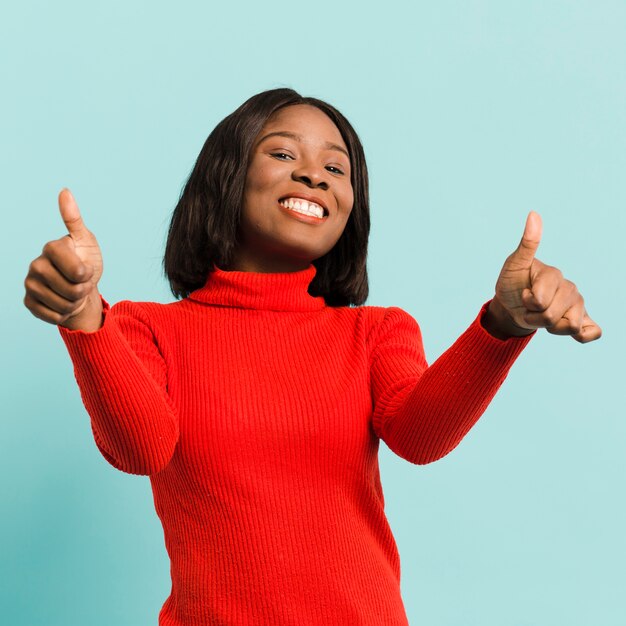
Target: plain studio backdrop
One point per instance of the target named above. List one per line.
(471, 114)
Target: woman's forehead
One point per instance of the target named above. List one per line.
(306, 121)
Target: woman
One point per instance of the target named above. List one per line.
(257, 401)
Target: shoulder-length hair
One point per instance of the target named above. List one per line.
(204, 225)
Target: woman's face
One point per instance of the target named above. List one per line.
(298, 158)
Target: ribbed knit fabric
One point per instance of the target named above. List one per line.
(257, 410)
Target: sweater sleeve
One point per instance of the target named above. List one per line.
(422, 413)
(122, 378)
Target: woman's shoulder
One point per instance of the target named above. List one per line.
(376, 314)
(377, 320)
(148, 311)
(128, 306)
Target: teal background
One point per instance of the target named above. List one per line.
(471, 114)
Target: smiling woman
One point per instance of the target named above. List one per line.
(266, 482)
(234, 210)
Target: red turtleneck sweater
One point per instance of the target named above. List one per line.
(256, 411)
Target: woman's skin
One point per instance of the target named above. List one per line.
(307, 159)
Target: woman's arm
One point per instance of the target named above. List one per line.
(122, 377)
(118, 363)
(421, 412)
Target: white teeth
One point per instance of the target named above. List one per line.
(302, 206)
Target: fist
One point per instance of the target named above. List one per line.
(62, 283)
(531, 295)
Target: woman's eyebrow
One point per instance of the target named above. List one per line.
(285, 133)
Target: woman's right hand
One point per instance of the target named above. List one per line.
(62, 283)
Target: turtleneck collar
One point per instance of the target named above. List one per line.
(280, 291)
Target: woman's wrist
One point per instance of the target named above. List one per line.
(498, 322)
(90, 317)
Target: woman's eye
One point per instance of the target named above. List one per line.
(283, 156)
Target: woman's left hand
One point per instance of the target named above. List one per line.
(530, 295)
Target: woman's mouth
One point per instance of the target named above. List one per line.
(306, 207)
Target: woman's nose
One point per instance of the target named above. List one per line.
(310, 175)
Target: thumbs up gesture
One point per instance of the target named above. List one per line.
(62, 283)
(530, 295)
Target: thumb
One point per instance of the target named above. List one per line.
(71, 214)
(530, 239)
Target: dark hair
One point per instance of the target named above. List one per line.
(203, 229)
